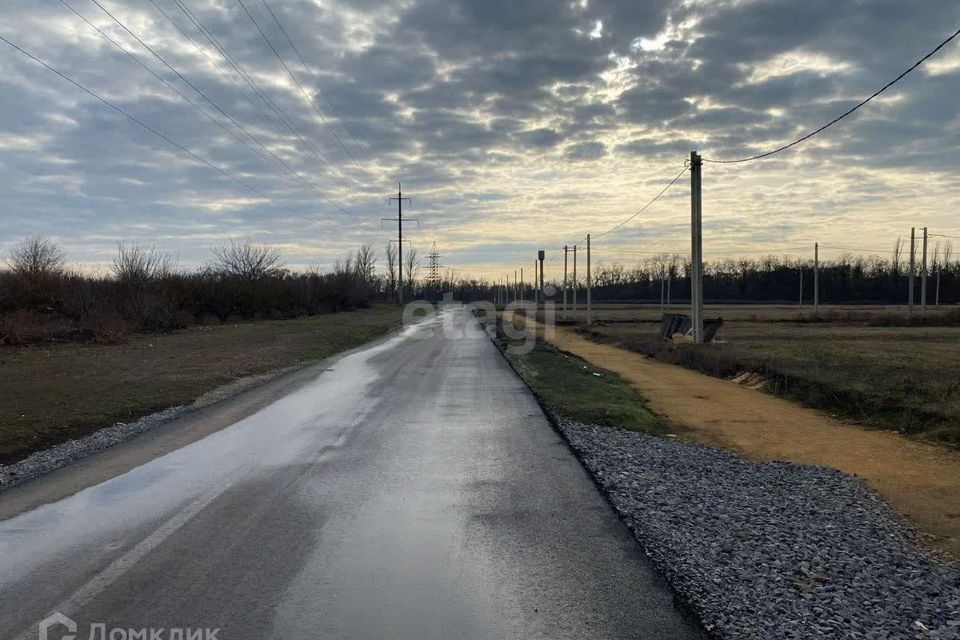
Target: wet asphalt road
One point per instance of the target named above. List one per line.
(414, 490)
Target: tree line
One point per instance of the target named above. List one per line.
(41, 299)
(143, 289)
(848, 278)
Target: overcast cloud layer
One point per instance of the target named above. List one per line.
(514, 124)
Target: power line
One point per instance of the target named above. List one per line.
(208, 116)
(279, 113)
(316, 83)
(828, 246)
(295, 81)
(213, 64)
(845, 114)
(305, 66)
(775, 250)
(155, 132)
(644, 207)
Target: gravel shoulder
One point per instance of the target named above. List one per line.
(771, 550)
(921, 480)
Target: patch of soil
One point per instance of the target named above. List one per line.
(921, 480)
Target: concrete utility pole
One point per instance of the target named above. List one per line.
(566, 284)
(816, 278)
(923, 277)
(589, 282)
(536, 292)
(574, 282)
(801, 287)
(913, 267)
(540, 256)
(696, 248)
(521, 284)
(399, 221)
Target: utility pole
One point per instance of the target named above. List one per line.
(589, 283)
(566, 284)
(913, 266)
(399, 221)
(801, 286)
(816, 278)
(936, 299)
(669, 284)
(696, 248)
(574, 282)
(536, 294)
(662, 284)
(540, 256)
(923, 277)
(521, 284)
(515, 296)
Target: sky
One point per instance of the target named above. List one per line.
(514, 125)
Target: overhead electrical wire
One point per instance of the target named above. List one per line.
(846, 113)
(316, 82)
(220, 124)
(644, 207)
(836, 248)
(152, 130)
(635, 214)
(293, 77)
(281, 116)
(203, 52)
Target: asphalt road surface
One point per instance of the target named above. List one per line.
(412, 489)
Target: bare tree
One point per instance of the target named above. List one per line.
(244, 259)
(366, 263)
(139, 264)
(391, 267)
(36, 258)
(412, 267)
(897, 263)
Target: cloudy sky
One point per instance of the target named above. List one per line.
(513, 124)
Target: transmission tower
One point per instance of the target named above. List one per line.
(434, 277)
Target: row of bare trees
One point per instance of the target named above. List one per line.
(848, 278)
(145, 290)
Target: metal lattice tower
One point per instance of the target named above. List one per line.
(433, 270)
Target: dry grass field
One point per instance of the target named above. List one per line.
(905, 378)
(56, 392)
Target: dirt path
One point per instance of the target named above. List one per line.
(922, 481)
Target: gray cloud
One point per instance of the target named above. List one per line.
(481, 108)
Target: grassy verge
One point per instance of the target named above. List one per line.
(905, 379)
(573, 388)
(53, 393)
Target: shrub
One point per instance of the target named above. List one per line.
(24, 327)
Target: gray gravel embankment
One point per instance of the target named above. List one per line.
(772, 550)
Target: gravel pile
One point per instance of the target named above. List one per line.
(774, 550)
